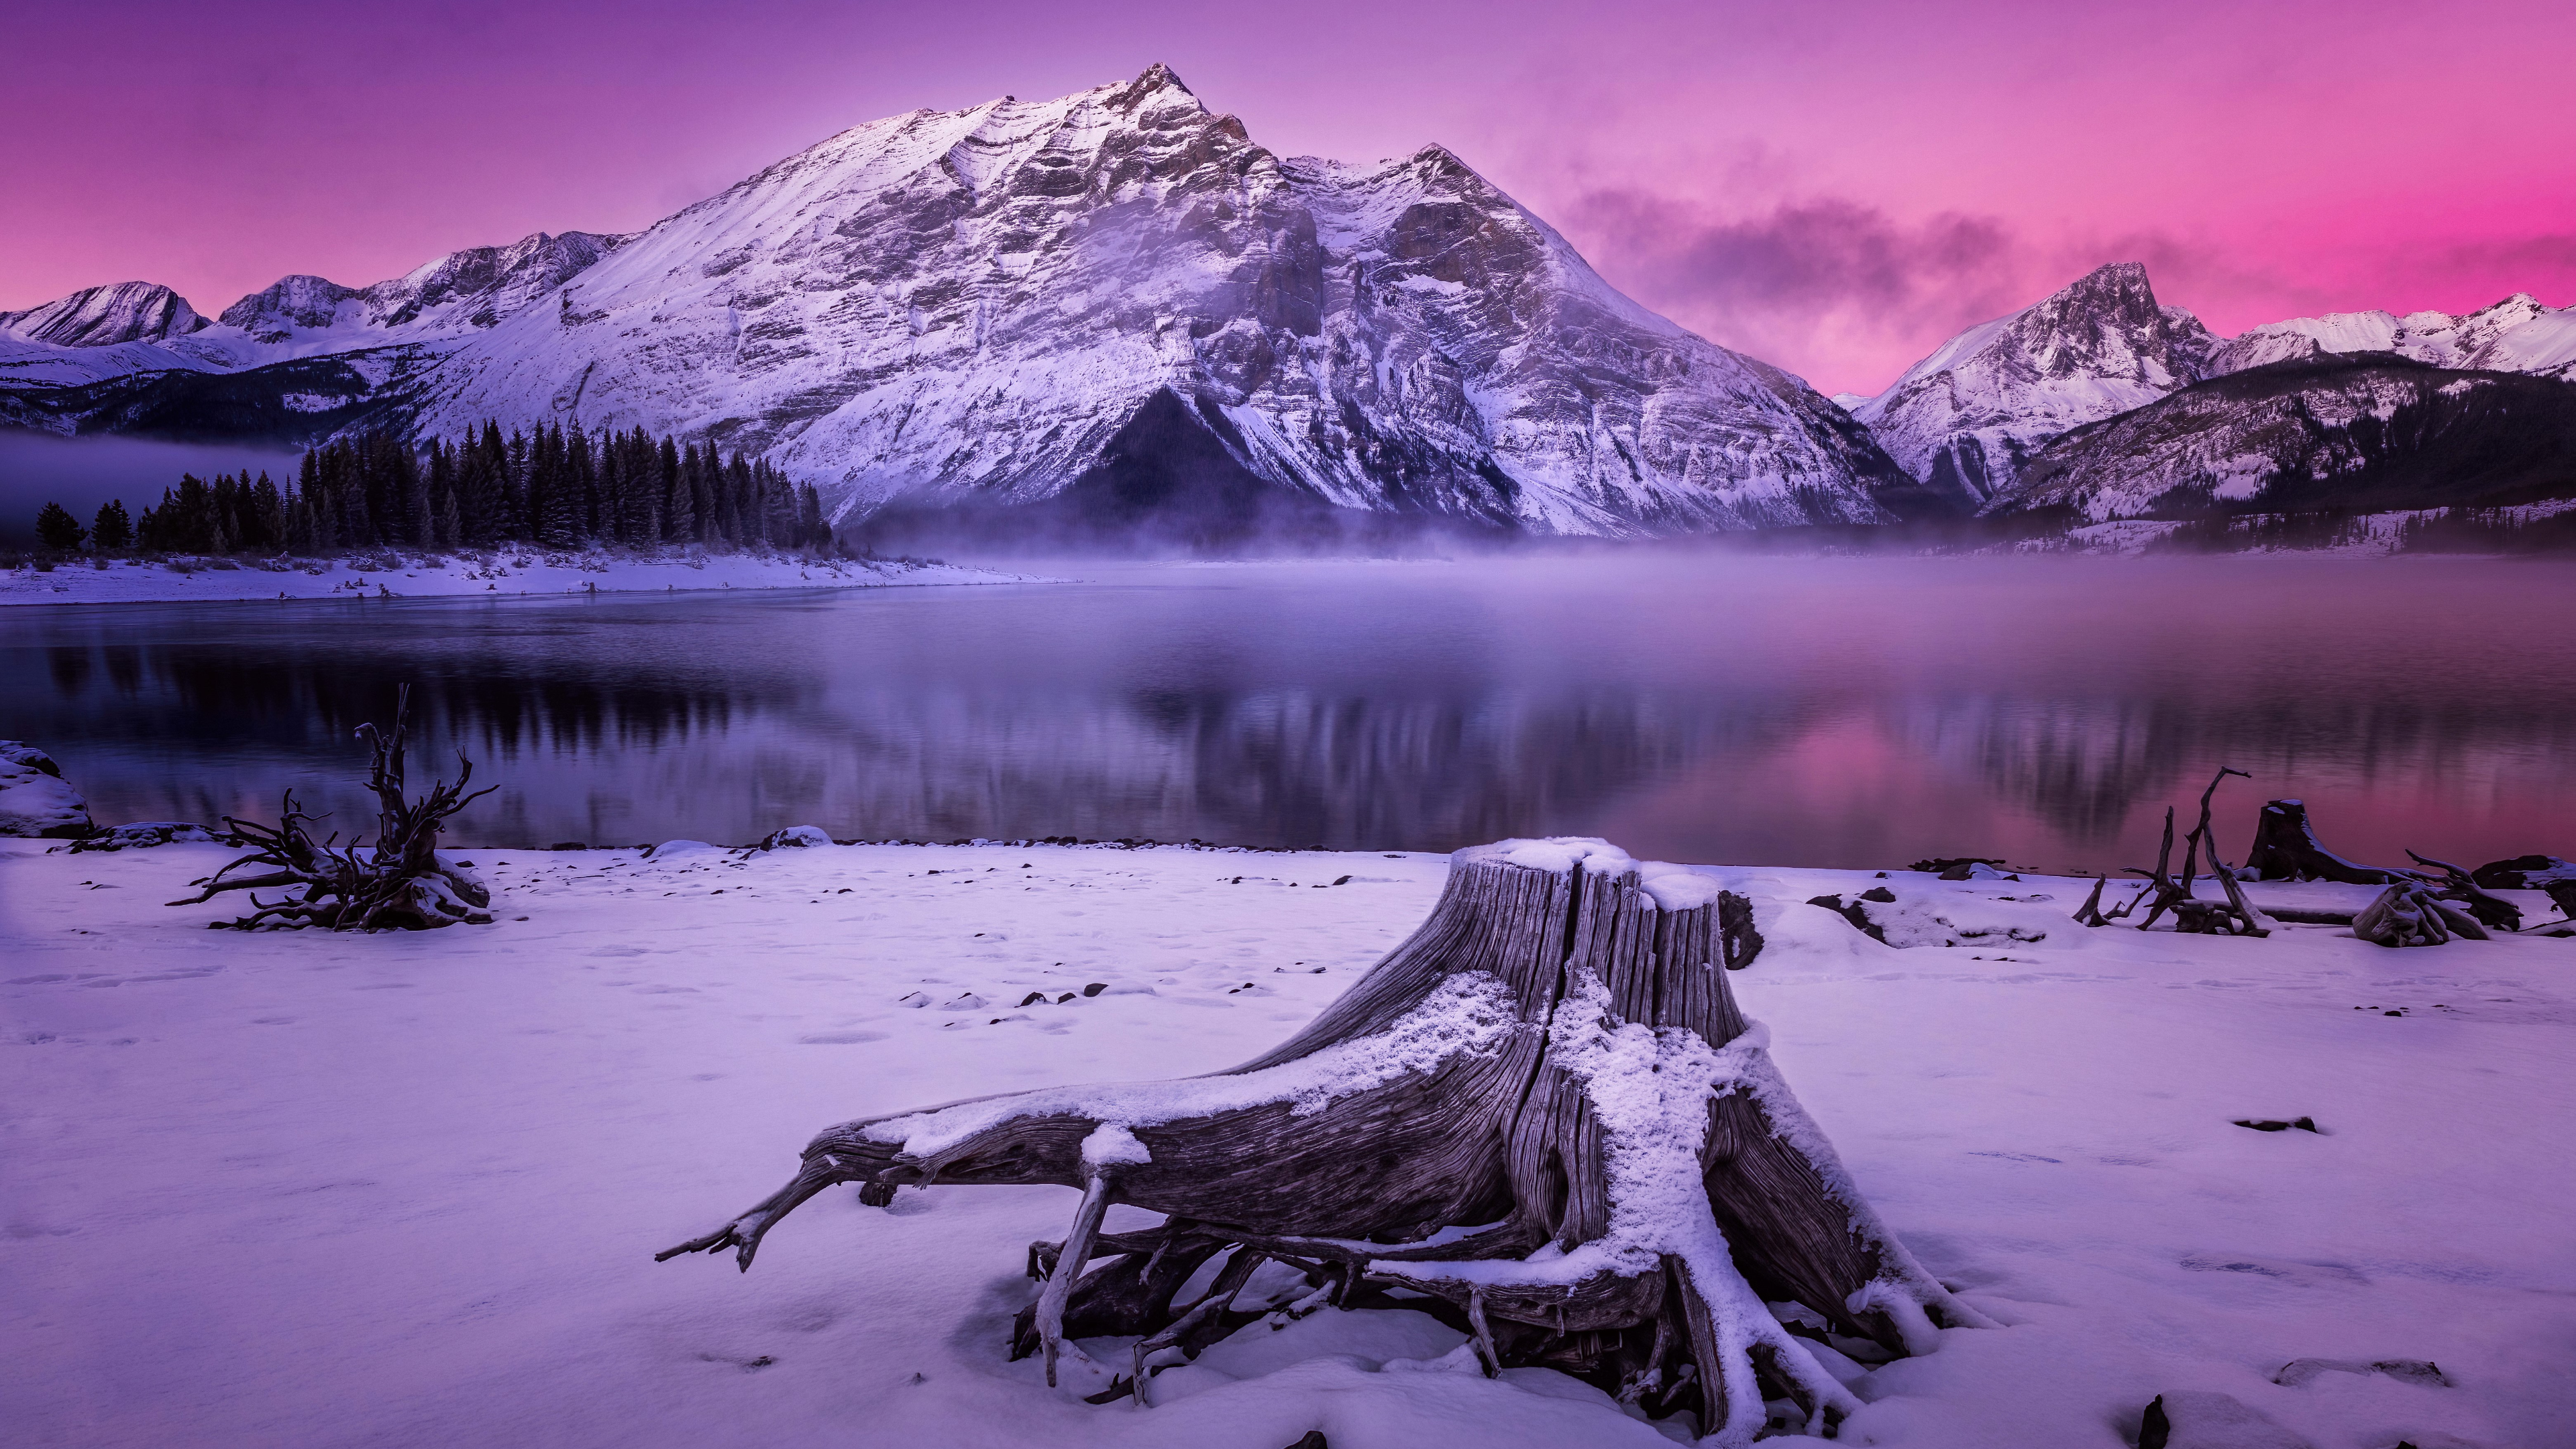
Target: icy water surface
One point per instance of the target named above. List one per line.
(1847, 713)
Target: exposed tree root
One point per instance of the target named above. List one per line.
(400, 881)
(1541, 1118)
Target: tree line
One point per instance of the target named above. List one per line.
(555, 487)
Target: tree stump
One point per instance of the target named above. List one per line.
(1542, 1117)
(2286, 848)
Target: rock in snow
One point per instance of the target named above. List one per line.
(34, 800)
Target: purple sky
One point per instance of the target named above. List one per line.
(1834, 188)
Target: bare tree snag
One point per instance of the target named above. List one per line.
(1553, 1060)
(399, 882)
(2286, 848)
(2236, 916)
(2494, 912)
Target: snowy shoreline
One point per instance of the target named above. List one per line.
(405, 1187)
(501, 573)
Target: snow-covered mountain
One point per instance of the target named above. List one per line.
(1115, 302)
(1100, 294)
(1964, 419)
(450, 296)
(106, 316)
(1972, 418)
(2517, 334)
(2363, 431)
(102, 335)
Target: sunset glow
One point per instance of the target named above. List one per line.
(1833, 189)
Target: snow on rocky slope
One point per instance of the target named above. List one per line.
(2372, 431)
(1080, 298)
(2517, 334)
(124, 333)
(450, 296)
(1964, 419)
(1115, 300)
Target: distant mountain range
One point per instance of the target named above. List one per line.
(2016, 415)
(1115, 316)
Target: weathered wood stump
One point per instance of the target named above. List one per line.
(2286, 848)
(1542, 1117)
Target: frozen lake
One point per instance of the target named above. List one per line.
(1835, 713)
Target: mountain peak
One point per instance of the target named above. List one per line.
(1963, 419)
(105, 316)
(1153, 80)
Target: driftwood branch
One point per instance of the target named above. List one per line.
(1531, 1070)
(2164, 893)
(400, 881)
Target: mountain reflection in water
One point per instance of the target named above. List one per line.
(1842, 712)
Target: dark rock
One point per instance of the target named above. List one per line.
(1095, 988)
(1853, 913)
(1942, 865)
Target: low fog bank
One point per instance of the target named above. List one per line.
(82, 473)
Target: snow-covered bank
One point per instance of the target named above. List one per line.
(396, 574)
(296, 1189)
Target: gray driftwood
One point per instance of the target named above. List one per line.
(1434, 1183)
(2411, 914)
(399, 881)
(2164, 893)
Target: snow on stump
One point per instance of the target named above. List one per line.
(34, 798)
(1541, 1118)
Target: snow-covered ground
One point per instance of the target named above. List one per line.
(399, 574)
(306, 1189)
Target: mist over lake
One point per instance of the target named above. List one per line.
(1838, 712)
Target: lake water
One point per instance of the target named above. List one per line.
(1838, 712)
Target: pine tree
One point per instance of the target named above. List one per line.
(112, 529)
(679, 511)
(56, 529)
(268, 511)
(699, 466)
(811, 530)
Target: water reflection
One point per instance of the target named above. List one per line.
(1824, 712)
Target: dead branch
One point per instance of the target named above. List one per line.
(2235, 916)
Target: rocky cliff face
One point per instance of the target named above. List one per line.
(1965, 419)
(2369, 431)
